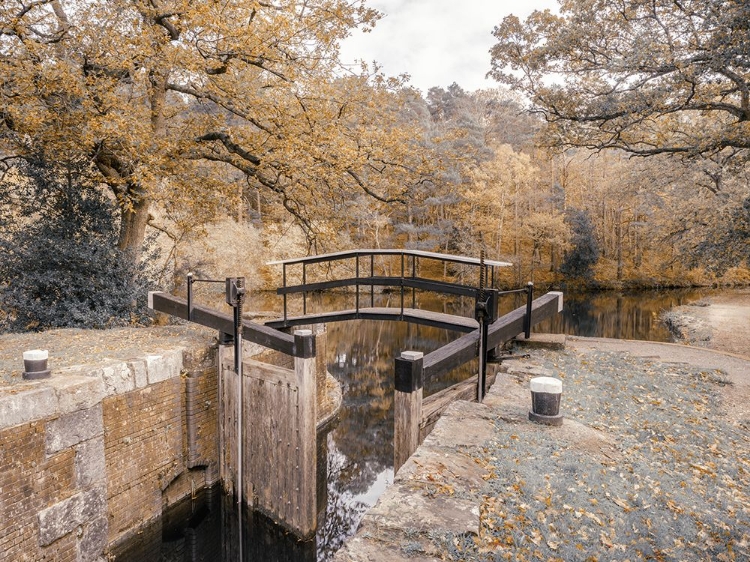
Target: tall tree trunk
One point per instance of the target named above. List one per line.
(618, 243)
(133, 228)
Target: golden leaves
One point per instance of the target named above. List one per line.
(134, 86)
(633, 76)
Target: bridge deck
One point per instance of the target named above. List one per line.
(416, 316)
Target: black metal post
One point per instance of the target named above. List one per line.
(283, 275)
(190, 296)
(372, 274)
(413, 276)
(527, 318)
(493, 299)
(235, 292)
(304, 293)
(356, 272)
(481, 314)
(483, 352)
(402, 286)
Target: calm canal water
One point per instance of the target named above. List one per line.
(359, 449)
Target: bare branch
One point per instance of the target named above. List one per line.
(230, 145)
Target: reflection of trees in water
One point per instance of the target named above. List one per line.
(344, 510)
(361, 356)
(612, 314)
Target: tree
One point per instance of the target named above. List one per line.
(61, 266)
(171, 99)
(494, 191)
(545, 228)
(646, 76)
(725, 243)
(584, 251)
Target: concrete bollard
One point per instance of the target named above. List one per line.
(35, 364)
(545, 401)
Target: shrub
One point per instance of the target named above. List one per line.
(60, 264)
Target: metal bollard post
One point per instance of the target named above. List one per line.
(527, 318)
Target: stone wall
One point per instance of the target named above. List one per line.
(91, 455)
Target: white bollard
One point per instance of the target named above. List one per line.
(35, 364)
(545, 401)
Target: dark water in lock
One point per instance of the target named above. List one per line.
(358, 451)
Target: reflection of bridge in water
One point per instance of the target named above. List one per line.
(268, 404)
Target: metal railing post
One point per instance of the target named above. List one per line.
(402, 285)
(283, 276)
(414, 276)
(493, 313)
(527, 318)
(190, 296)
(356, 273)
(304, 293)
(482, 316)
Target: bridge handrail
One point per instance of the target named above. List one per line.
(384, 281)
(346, 254)
(401, 281)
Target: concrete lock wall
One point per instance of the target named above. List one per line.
(92, 454)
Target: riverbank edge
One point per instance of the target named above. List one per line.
(441, 490)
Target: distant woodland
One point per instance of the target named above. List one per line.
(142, 139)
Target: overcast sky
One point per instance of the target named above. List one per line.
(436, 42)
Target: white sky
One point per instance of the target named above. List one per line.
(436, 42)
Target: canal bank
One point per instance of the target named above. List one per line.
(650, 462)
(119, 426)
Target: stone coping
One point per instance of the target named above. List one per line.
(73, 349)
(88, 365)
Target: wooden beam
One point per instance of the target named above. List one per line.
(256, 333)
(505, 328)
(304, 516)
(407, 406)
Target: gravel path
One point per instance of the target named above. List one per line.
(651, 466)
(720, 322)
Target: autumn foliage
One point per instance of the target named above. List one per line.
(231, 130)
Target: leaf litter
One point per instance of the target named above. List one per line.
(679, 489)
